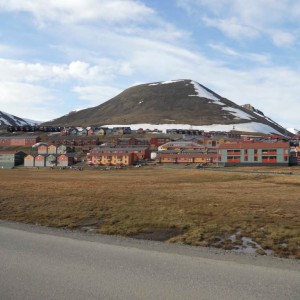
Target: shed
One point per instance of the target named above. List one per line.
(64, 160)
(50, 160)
(52, 149)
(39, 161)
(42, 149)
(29, 161)
(10, 159)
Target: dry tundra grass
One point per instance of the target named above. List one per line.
(197, 207)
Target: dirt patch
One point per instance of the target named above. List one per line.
(161, 234)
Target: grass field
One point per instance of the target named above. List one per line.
(196, 207)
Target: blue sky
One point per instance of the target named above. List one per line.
(58, 56)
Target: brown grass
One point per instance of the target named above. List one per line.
(187, 206)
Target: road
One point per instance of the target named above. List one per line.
(41, 263)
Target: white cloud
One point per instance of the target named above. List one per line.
(96, 94)
(17, 70)
(231, 27)
(283, 38)
(255, 57)
(241, 19)
(76, 11)
(37, 101)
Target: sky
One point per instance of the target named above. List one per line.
(62, 55)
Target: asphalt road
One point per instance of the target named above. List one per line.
(37, 263)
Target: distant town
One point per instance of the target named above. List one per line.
(121, 146)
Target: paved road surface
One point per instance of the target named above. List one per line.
(52, 264)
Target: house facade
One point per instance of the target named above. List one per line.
(254, 153)
(29, 161)
(117, 155)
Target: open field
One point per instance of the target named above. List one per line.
(197, 207)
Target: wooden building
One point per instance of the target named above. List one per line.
(10, 159)
(29, 160)
(39, 161)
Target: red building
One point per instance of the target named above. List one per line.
(26, 141)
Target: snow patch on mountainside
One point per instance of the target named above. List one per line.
(247, 127)
(203, 93)
(8, 119)
(238, 114)
(293, 130)
(165, 82)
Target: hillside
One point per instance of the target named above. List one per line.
(169, 102)
(7, 119)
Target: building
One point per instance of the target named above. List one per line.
(117, 155)
(254, 153)
(29, 160)
(51, 156)
(181, 145)
(10, 159)
(26, 141)
(186, 156)
(132, 142)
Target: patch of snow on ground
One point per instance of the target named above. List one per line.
(141, 102)
(77, 110)
(293, 130)
(32, 122)
(239, 114)
(165, 82)
(270, 120)
(202, 92)
(19, 121)
(3, 121)
(248, 127)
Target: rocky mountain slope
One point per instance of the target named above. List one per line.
(170, 103)
(7, 119)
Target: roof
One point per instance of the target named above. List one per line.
(254, 145)
(185, 151)
(19, 137)
(185, 155)
(134, 148)
(11, 152)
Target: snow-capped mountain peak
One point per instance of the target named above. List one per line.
(7, 119)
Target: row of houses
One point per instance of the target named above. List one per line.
(51, 160)
(26, 141)
(127, 151)
(44, 148)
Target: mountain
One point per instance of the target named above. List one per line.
(7, 119)
(171, 104)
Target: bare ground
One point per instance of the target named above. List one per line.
(196, 207)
